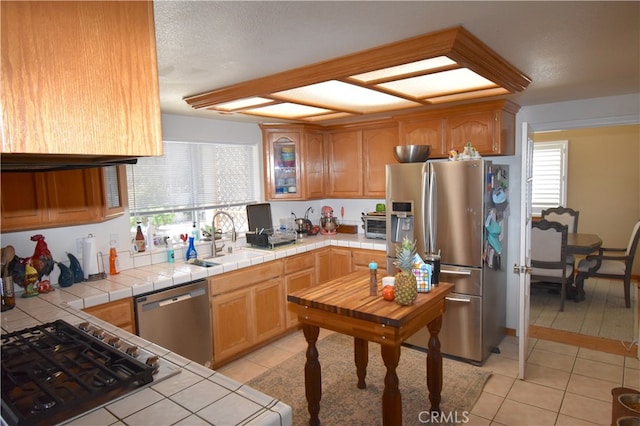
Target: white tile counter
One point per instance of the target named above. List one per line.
(197, 395)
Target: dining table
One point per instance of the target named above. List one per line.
(581, 244)
(346, 305)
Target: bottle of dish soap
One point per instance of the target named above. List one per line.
(191, 253)
(113, 259)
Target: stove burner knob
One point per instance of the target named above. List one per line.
(84, 326)
(115, 342)
(98, 334)
(154, 361)
(133, 351)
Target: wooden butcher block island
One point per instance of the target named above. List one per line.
(345, 306)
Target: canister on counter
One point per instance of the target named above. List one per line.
(433, 260)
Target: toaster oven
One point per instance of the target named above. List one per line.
(375, 226)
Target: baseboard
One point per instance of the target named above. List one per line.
(582, 340)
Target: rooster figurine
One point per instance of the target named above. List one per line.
(43, 262)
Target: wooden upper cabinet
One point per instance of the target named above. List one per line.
(424, 131)
(488, 126)
(37, 200)
(283, 163)
(114, 190)
(314, 164)
(377, 149)
(294, 162)
(80, 78)
(22, 201)
(344, 163)
(476, 128)
(73, 196)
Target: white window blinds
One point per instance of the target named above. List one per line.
(193, 176)
(549, 187)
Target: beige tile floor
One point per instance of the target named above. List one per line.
(565, 385)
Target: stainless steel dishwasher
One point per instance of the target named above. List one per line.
(179, 320)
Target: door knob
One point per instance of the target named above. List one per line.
(522, 269)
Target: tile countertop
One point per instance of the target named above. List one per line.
(197, 395)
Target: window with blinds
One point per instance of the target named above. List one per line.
(192, 181)
(549, 186)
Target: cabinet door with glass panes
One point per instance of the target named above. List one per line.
(283, 164)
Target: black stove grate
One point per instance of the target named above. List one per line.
(55, 371)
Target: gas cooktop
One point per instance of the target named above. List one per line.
(55, 371)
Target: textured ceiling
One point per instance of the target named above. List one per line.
(571, 50)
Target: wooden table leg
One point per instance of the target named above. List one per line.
(312, 376)
(434, 364)
(391, 398)
(361, 357)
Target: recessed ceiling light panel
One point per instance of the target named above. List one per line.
(242, 104)
(287, 110)
(405, 69)
(442, 83)
(345, 97)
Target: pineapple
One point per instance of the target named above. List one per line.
(406, 286)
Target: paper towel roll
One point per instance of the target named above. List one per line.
(89, 257)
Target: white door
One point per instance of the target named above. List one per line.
(524, 268)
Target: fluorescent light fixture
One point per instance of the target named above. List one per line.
(442, 83)
(243, 104)
(405, 69)
(444, 66)
(287, 110)
(346, 97)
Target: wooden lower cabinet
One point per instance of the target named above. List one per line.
(247, 308)
(268, 301)
(300, 273)
(323, 263)
(340, 262)
(362, 257)
(118, 313)
(231, 316)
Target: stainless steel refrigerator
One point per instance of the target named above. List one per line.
(458, 209)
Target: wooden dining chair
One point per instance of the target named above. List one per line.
(549, 256)
(612, 263)
(564, 215)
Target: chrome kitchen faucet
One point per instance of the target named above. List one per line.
(215, 250)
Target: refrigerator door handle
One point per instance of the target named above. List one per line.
(431, 209)
(425, 202)
(458, 299)
(455, 272)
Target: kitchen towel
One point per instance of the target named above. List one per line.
(89, 256)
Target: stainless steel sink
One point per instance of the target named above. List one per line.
(233, 257)
(205, 263)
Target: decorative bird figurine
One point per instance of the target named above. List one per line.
(66, 276)
(42, 260)
(30, 281)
